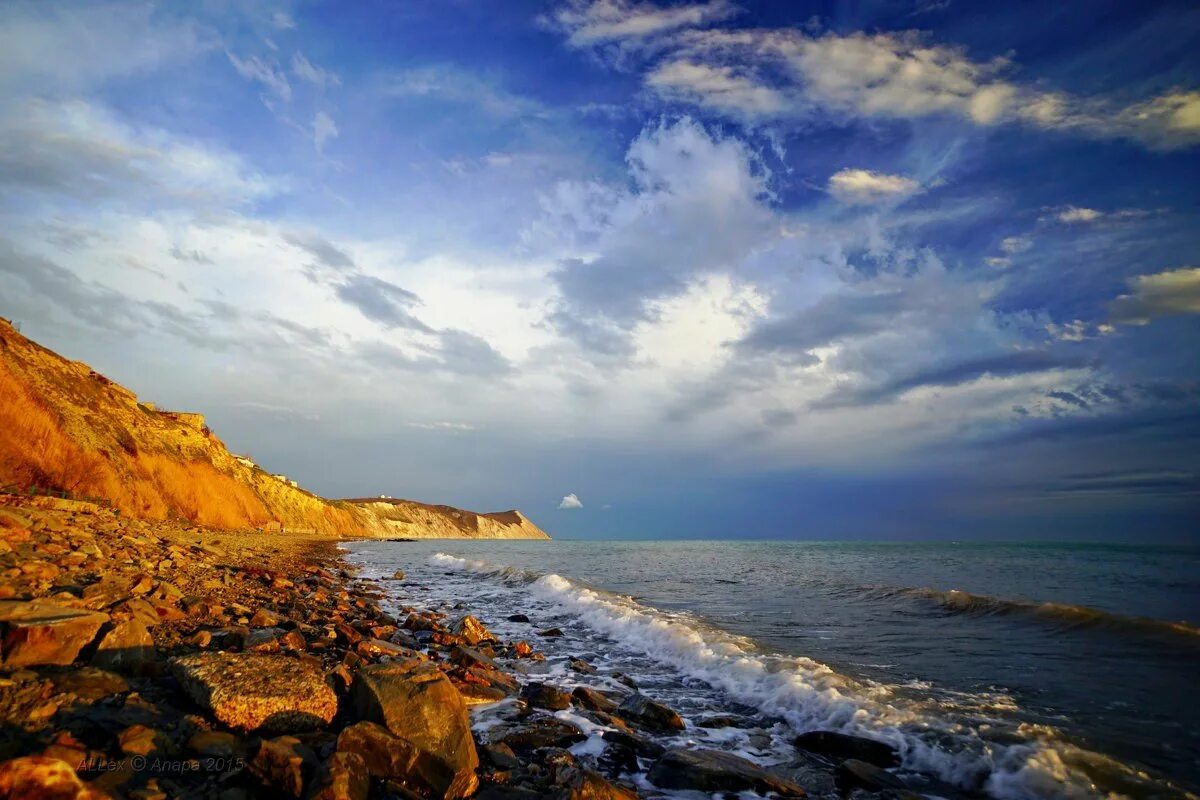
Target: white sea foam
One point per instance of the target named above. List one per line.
(809, 695)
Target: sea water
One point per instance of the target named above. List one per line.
(1016, 670)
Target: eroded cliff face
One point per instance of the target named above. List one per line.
(411, 520)
(65, 427)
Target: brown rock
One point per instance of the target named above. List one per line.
(389, 756)
(472, 631)
(650, 714)
(343, 777)
(416, 701)
(139, 740)
(40, 778)
(543, 695)
(283, 764)
(215, 744)
(587, 697)
(38, 632)
(250, 691)
(128, 647)
(545, 732)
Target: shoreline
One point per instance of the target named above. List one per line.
(155, 660)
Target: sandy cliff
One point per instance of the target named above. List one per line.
(65, 427)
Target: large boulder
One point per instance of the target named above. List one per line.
(39, 632)
(650, 714)
(717, 771)
(472, 631)
(386, 755)
(416, 701)
(343, 777)
(250, 691)
(842, 746)
(854, 774)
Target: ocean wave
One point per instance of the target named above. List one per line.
(1063, 614)
(1025, 763)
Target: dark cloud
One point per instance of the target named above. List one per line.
(1164, 482)
(454, 352)
(381, 301)
(325, 253)
(195, 256)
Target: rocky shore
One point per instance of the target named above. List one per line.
(154, 660)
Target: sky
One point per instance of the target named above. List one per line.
(913, 269)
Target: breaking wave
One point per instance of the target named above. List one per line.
(1010, 762)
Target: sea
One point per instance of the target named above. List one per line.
(997, 669)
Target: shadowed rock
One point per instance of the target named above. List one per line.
(649, 713)
(128, 648)
(386, 755)
(38, 778)
(717, 771)
(251, 691)
(841, 746)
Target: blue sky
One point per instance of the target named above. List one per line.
(918, 269)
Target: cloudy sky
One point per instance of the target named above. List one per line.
(818, 269)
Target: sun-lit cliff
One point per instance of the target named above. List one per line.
(65, 427)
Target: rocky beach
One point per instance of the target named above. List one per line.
(157, 659)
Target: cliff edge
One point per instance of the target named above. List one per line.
(66, 428)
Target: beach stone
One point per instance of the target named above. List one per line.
(215, 744)
(38, 632)
(41, 778)
(470, 657)
(543, 695)
(139, 740)
(127, 648)
(398, 575)
(386, 755)
(584, 784)
(415, 700)
(283, 764)
(551, 633)
(518, 618)
(587, 697)
(842, 746)
(544, 732)
(90, 683)
(649, 713)
(472, 631)
(854, 774)
(343, 777)
(249, 691)
(500, 756)
(717, 771)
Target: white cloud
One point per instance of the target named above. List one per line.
(1163, 294)
(590, 23)
(82, 149)
(441, 425)
(324, 129)
(253, 68)
(1073, 214)
(283, 21)
(787, 73)
(1016, 244)
(1077, 330)
(570, 502)
(318, 76)
(865, 187)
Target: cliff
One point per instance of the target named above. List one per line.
(65, 427)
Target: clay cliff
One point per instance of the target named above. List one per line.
(64, 427)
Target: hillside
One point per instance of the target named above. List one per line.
(65, 427)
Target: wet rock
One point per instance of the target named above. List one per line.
(543, 695)
(343, 777)
(640, 745)
(378, 648)
(500, 756)
(386, 755)
(38, 632)
(127, 648)
(416, 701)
(139, 740)
(518, 618)
(649, 713)
(398, 575)
(841, 746)
(283, 764)
(250, 691)
(543, 732)
(551, 633)
(472, 631)
(40, 778)
(855, 774)
(470, 657)
(584, 784)
(593, 699)
(581, 666)
(717, 771)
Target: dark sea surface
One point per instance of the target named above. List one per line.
(1020, 670)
